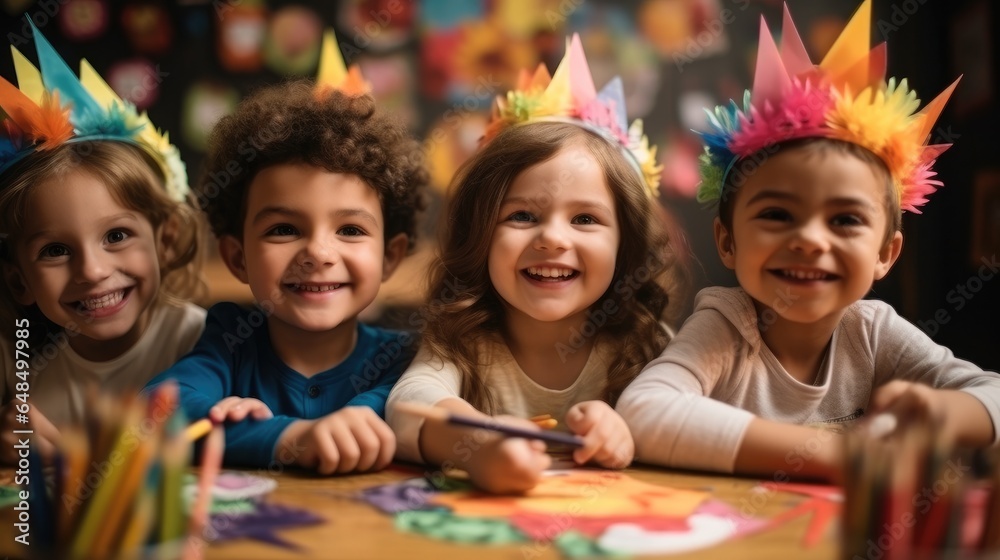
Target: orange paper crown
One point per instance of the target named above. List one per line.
(333, 74)
(845, 97)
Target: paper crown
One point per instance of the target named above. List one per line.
(52, 107)
(569, 95)
(845, 97)
(333, 74)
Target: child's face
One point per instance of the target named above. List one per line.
(808, 233)
(556, 239)
(87, 261)
(313, 246)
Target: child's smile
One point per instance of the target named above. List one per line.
(104, 304)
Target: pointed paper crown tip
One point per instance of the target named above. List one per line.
(333, 74)
(52, 106)
(569, 95)
(845, 97)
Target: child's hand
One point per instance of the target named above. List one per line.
(507, 465)
(606, 437)
(353, 439)
(908, 401)
(43, 440)
(235, 409)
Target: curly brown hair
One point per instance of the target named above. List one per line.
(647, 273)
(289, 123)
(135, 181)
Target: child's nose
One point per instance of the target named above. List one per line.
(317, 252)
(811, 237)
(551, 236)
(93, 265)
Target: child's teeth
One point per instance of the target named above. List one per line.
(549, 272)
(107, 300)
(805, 275)
(326, 288)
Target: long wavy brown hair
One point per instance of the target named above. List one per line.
(134, 180)
(463, 307)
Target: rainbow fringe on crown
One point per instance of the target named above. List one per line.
(845, 97)
(569, 95)
(52, 107)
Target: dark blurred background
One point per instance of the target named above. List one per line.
(438, 64)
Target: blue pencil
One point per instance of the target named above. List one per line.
(547, 436)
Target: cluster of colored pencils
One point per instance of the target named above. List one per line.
(913, 495)
(117, 488)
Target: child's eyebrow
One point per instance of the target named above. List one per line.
(42, 233)
(780, 195)
(269, 211)
(583, 203)
(851, 201)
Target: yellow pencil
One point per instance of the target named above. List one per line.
(198, 429)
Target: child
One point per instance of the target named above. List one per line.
(550, 288)
(811, 180)
(98, 247)
(312, 193)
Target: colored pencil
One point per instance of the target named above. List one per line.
(443, 415)
(198, 429)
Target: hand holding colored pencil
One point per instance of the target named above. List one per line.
(443, 415)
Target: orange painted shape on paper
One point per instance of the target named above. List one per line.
(580, 494)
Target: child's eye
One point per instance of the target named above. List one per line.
(53, 251)
(585, 219)
(116, 236)
(847, 220)
(282, 230)
(521, 216)
(351, 231)
(775, 214)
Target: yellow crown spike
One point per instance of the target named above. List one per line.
(96, 86)
(332, 71)
(843, 63)
(29, 79)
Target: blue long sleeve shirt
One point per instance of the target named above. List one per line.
(234, 357)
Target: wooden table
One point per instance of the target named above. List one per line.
(357, 530)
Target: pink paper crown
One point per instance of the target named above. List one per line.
(792, 98)
(569, 95)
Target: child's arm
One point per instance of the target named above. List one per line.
(606, 437)
(494, 462)
(43, 439)
(782, 451)
(964, 396)
(205, 377)
(963, 416)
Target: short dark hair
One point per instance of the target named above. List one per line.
(289, 123)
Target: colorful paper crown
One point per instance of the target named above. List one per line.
(333, 74)
(846, 97)
(569, 95)
(54, 107)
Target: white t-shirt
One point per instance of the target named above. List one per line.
(59, 376)
(690, 407)
(429, 380)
